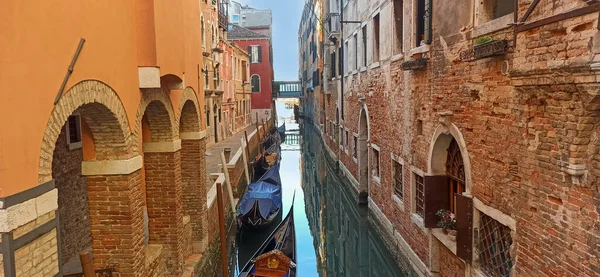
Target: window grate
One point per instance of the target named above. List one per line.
(398, 189)
(494, 247)
(420, 195)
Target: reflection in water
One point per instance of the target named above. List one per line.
(345, 241)
(334, 234)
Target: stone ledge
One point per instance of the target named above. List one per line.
(162, 147)
(116, 167)
(192, 135)
(25, 212)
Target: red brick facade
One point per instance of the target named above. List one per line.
(526, 136)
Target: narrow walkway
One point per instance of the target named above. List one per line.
(213, 153)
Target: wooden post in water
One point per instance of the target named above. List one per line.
(245, 160)
(223, 236)
(87, 265)
(227, 180)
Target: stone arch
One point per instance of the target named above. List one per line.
(100, 107)
(440, 141)
(189, 112)
(364, 136)
(155, 107)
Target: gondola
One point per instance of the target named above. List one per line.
(277, 255)
(262, 163)
(281, 131)
(262, 203)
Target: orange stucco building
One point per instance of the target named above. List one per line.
(103, 134)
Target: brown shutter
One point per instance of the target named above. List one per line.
(464, 227)
(436, 198)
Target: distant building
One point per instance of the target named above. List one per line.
(258, 45)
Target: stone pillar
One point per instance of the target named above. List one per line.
(193, 177)
(162, 162)
(116, 214)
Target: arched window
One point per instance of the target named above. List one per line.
(203, 32)
(455, 171)
(255, 82)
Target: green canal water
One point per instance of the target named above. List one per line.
(335, 236)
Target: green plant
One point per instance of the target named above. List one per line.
(447, 220)
(482, 40)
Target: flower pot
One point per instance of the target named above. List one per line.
(452, 234)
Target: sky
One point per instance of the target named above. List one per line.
(286, 20)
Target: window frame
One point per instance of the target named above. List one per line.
(254, 58)
(76, 144)
(396, 160)
(377, 165)
(376, 42)
(252, 86)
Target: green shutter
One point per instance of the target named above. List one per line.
(259, 53)
(250, 53)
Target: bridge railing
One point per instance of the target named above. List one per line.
(287, 89)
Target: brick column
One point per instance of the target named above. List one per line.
(116, 214)
(193, 176)
(162, 162)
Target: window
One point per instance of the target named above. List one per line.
(376, 38)
(74, 131)
(493, 9)
(340, 61)
(333, 65)
(206, 82)
(423, 23)
(355, 52)
(455, 171)
(398, 187)
(244, 77)
(255, 83)
(364, 45)
(376, 162)
(203, 32)
(346, 58)
(255, 53)
(398, 11)
(419, 190)
(494, 244)
(346, 140)
(355, 152)
(235, 18)
(207, 116)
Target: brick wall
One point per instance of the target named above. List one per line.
(213, 216)
(116, 217)
(194, 184)
(450, 265)
(75, 234)
(39, 257)
(165, 209)
(522, 132)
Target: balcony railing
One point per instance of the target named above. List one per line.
(223, 15)
(287, 89)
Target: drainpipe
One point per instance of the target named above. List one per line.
(342, 58)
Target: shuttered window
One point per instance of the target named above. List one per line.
(455, 170)
(376, 38)
(398, 187)
(255, 52)
(376, 163)
(355, 153)
(419, 195)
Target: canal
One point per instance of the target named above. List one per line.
(335, 236)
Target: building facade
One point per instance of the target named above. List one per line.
(487, 109)
(237, 88)
(261, 69)
(109, 158)
(310, 44)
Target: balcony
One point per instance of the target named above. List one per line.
(333, 25)
(223, 15)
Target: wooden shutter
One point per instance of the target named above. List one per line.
(464, 227)
(250, 53)
(259, 53)
(436, 198)
(427, 18)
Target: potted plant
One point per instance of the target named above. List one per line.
(482, 40)
(447, 223)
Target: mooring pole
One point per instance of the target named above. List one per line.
(224, 262)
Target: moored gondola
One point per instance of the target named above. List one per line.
(281, 131)
(260, 205)
(277, 255)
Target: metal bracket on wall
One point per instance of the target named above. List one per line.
(69, 70)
